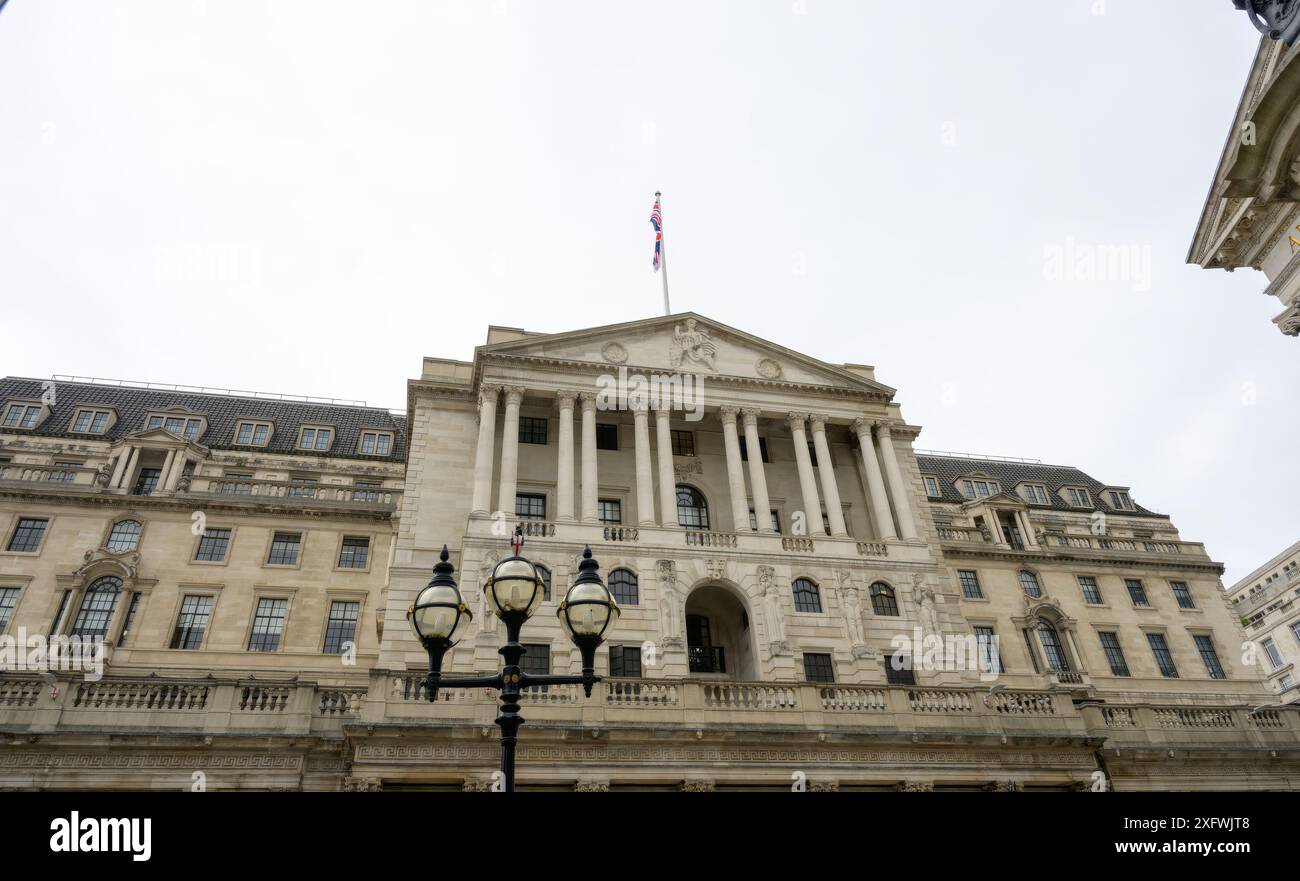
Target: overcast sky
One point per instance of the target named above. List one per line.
(307, 197)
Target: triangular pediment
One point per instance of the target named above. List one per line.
(687, 343)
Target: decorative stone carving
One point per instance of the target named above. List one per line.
(717, 569)
(614, 353)
(698, 786)
(104, 475)
(823, 786)
(692, 346)
(916, 786)
(852, 610)
(685, 470)
(1289, 321)
(1006, 786)
(768, 369)
(363, 784)
(476, 784)
(591, 784)
(487, 619)
(772, 611)
(670, 622)
(925, 600)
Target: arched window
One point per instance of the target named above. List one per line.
(1052, 648)
(1029, 581)
(692, 511)
(807, 598)
(546, 581)
(882, 600)
(125, 536)
(622, 584)
(97, 608)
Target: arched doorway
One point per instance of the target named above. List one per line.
(719, 634)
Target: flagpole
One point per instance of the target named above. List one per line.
(663, 255)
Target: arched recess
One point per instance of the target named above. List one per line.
(720, 638)
(100, 567)
(1050, 639)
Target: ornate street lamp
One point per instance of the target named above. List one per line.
(1275, 19)
(515, 591)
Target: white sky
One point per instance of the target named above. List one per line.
(307, 197)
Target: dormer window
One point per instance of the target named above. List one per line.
(1034, 493)
(1120, 500)
(972, 488)
(315, 438)
(1077, 497)
(376, 443)
(932, 487)
(91, 420)
(189, 427)
(22, 415)
(252, 434)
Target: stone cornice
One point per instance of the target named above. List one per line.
(1161, 561)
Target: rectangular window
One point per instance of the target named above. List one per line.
(1114, 653)
(932, 487)
(376, 443)
(252, 434)
(625, 660)
(898, 670)
(130, 619)
(683, 442)
(268, 625)
(341, 627)
(213, 546)
(776, 521)
(8, 599)
(606, 436)
(1030, 653)
(762, 448)
(532, 430)
(1120, 500)
(22, 415)
(1182, 594)
(536, 659)
(1205, 645)
(531, 506)
(1077, 497)
(1137, 593)
(970, 584)
(192, 622)
(58, 616)
(990, 655)
(303, 487)
(147, 481)
(817, 667)
(315, 439)
(1295, 631)
(64, 476)
(1164, 660)
(27, 535)
(236, 484)
(366, 495)
(284, 549)
(1035, 493)
(1091, 592)
(90, 422)
(355, 552)
(1270, 649)
(609, 511)
(96, 612)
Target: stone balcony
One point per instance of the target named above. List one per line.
(670, 539)
(966, 538)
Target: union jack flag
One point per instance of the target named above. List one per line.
(657, 221)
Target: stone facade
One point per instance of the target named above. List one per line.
(1267, 601)
(807, 602)
(1251, 217)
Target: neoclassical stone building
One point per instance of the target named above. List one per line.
(1251, 217)
(1268, 601)
(806, 599)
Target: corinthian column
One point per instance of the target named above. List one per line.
(757, 477)
(510, 452)
(645, 487)
(667, 480)
(807, 482)
(588, 400)
(487, 425)
(735, 470)
(897, 488)
(875, 482)
(826, 471)
(564, 467)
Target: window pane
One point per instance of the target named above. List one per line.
(1164, 660)
(268, 625)
(1091, 593)
(970, 584)
(27, 535)
(683, 442)
(213, 545)
(1182, 594)
(355, 553)
(817, 667)
(125, 536)
(1137, 593)
(192, 622)
(147, 482)
(341, 627)
(692, 512)
(1114, 654)
(1052, 649)
(1029, 583)
(536, 659)
(8, 599)
(1205, 645)
(882, 600)
(97, 608)
(284, 549)
(623, 585)
(530, 506)
(609, 511)
(625, 660)
(532, 430)
(806, 596)
(606, 436)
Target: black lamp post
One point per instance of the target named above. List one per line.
(1275, 19)
(515, 591)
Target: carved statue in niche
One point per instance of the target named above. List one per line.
(852, 609)
(487, 619)
(772, 611)
(669, 604)
(692, 345)
(925, 600)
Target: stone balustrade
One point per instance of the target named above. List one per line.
(334, 494)
(75, 477)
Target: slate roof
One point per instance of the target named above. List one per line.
(949, 469)
(222, 412)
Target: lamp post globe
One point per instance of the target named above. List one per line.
(436, 617)
(587, 614)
